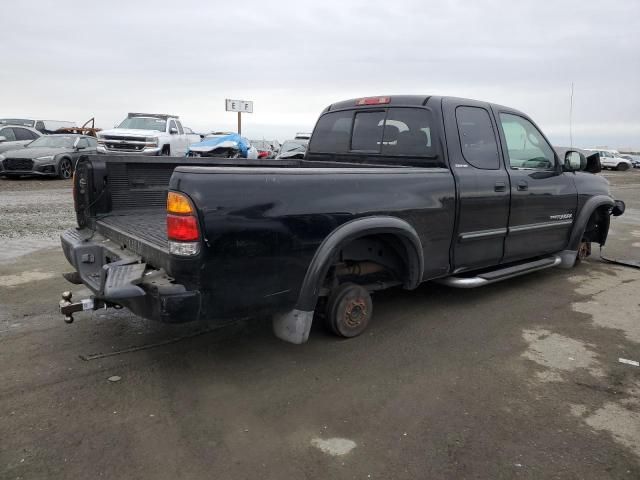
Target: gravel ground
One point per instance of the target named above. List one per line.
(32, 214)
(520, 379)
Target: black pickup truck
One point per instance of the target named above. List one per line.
(393, 191)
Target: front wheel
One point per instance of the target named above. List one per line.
(349, 310)
(65, 169)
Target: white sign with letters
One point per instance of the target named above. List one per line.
(244, 106)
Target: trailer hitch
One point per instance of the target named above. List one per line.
(68, 308)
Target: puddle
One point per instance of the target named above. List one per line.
(334, 446)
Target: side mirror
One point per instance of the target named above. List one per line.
(3, 139)
(574, 161)
(173, 130)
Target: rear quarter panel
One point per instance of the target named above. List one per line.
(263, 226)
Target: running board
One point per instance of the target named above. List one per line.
(501, 274)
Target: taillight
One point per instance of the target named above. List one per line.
(183, 232)
(182, 228)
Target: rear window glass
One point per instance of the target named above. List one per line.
(407, 131)
(367, 131)
(332, 133)
(477, 138)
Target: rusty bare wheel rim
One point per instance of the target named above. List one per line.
(355, 313)
(584, 251)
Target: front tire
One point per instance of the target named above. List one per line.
(65, 169)
(166, 151)
(349, 310)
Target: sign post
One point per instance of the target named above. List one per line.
(239, 106)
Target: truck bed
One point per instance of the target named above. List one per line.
(143, 232)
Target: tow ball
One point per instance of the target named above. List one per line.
(68, 308)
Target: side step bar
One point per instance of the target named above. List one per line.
(501, 274)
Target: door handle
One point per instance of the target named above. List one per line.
(500, 187)
(522, 186)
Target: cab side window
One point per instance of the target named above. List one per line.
(172, 126)
(180, 131)
(526, 147)
(477, 138)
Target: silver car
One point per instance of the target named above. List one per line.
(13, 137)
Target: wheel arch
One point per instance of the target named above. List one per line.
(363, 227)
(594, 206)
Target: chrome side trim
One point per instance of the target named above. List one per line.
(540, 226)
(483, 234)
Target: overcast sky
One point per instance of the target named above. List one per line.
(73, 60)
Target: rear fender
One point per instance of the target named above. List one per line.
(326, 254)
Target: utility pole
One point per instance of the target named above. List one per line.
(239, 123)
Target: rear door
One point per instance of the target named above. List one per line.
(483, 184)
(543, 198)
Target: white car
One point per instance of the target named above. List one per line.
(612, 159)
(147, 134)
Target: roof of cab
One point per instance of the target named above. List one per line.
(410, 101)
(395, 100)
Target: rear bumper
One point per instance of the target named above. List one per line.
(117, 276)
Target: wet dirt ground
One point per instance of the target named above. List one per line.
(515, 380)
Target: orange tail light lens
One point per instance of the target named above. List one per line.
(178, 203)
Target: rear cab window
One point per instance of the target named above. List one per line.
(392, 135)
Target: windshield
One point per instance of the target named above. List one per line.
(292, 147)
(54, 141)
(144, 123)
(16, 121)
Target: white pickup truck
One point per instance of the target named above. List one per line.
(612, 159)
(147, 134)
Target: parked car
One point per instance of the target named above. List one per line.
(147, 134)
(49, 155)
(13, 137)
(43, 126)
(612, 160)
(393, 191)
(293, 149)
(223, 145)
(634, 159)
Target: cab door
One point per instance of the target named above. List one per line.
(483, 184)
(543, 198)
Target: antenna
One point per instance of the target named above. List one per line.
(571, 118)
